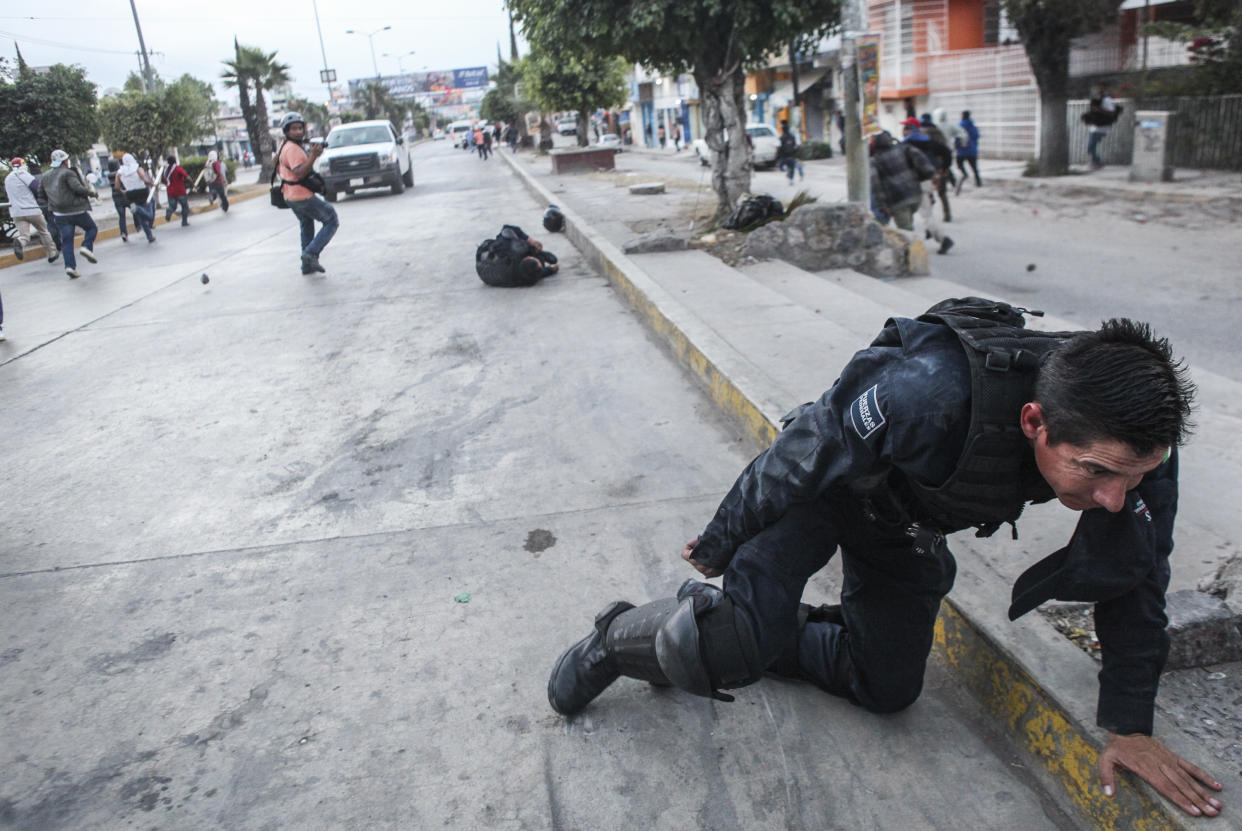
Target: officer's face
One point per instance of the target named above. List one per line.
(1094, 475)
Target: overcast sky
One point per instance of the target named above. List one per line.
(195, 37)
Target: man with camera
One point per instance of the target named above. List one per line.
(296, 169)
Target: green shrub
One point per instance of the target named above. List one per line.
(814, 150)
(194, 165)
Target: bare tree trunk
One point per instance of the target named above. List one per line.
(584, 128)
(263, 150)
(545, 134)
(252, 118)
(1047, 39)
(722, 94)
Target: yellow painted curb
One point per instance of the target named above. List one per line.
(9, 259)
(1032, 718)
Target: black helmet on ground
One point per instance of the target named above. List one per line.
(553, 219)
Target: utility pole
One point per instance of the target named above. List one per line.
(326, 75)
(148, 81)
(858, 178)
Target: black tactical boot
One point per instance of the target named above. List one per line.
(623, 643)
(584, 670)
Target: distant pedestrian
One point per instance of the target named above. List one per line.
(676, 138)
(663, 140)
(247, 159)
(216, 177)
(840, 120)
(939, 156)
(487, 143)
(944, 155)
(1099, 118)
(901, 176)
(174, 180)
(25, 211)
(119, 202)
(968, 149)
(295, 165)
(69, 196)
(41, 197)
(787, 152)
(136, 183)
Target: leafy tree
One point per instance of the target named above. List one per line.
(152, 122)
(1214, 40)
(714, 39)
(41, 111)
(1047, 28)
(577, 81)
(252, 71)
(503, 102)
(316, 115)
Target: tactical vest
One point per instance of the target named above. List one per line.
(986, 488)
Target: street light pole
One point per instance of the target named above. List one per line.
(400, 58)
(371, 40)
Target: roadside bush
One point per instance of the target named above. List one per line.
(194, 165)
(814, 150)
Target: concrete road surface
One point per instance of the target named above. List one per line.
(290, 552)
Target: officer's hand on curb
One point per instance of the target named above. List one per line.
(706, 571)
(1170, 774)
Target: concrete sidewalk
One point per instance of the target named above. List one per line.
(767, 337)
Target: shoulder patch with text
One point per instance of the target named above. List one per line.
(865, 413)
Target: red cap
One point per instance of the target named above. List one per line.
(17, 162)
(912, 122)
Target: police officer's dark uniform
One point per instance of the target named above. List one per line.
(510, 260)
(919, 437)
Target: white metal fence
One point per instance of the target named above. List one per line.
(997, 86)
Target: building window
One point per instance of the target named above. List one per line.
(997, 29)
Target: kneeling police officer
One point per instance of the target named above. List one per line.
(953, 420)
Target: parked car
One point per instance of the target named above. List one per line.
(567, 126)
(611, 140)
(364, 154)
(764, 142)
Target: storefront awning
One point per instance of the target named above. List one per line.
(782, 91)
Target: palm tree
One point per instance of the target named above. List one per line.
(254, 69)
(237, 74)
(316, 115)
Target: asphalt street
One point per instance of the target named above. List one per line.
(291, 552)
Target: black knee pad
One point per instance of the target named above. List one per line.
(706, 645)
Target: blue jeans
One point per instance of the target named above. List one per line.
(144, 217)
(1093, 143)
(889, 600)
(173, 202)
(218, 189)
(120, 216)
(308, 211)
(68, 224)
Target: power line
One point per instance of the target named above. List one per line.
(78, 47)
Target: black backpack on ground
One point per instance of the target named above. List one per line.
(753, 212)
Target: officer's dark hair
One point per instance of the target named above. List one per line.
(530, 269)
(1119, 382)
